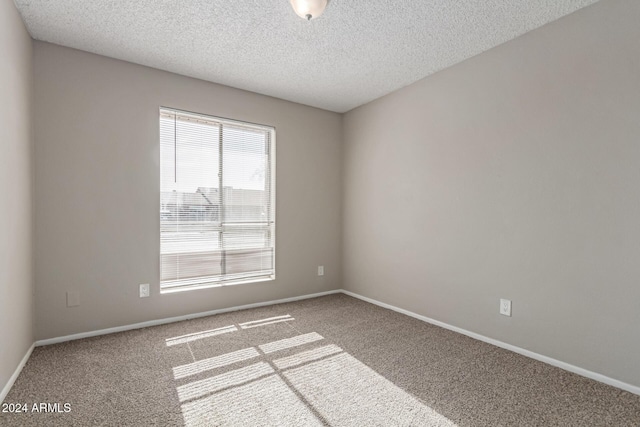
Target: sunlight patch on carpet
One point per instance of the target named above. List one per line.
(214, 362)
(346, 392)
(266, 402)
(219, 382)
(200, 335)
(268, 321)
(290, 342)
(322, 384)
(306, 356)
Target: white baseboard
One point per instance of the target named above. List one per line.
(14, 377)
(545, 359)
(176, 319)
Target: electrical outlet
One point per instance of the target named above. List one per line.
(144, 290)
(321, 270)
(505, 307)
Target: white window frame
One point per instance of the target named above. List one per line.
(227, 279)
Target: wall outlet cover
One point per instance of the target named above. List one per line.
(144, 290)
(505, 307)
(73, 299)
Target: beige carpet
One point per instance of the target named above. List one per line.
(333, 361)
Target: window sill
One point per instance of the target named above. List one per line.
(184, 288)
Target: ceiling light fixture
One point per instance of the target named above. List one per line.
(308, 9)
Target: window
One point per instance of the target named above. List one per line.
(217, 193)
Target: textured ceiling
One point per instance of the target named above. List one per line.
(358, 50)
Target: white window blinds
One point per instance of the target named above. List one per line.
(217, 201)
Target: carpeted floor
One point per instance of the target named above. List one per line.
(333, 361)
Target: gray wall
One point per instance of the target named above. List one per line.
(515, 174)
(97, 191)
(16, 285)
